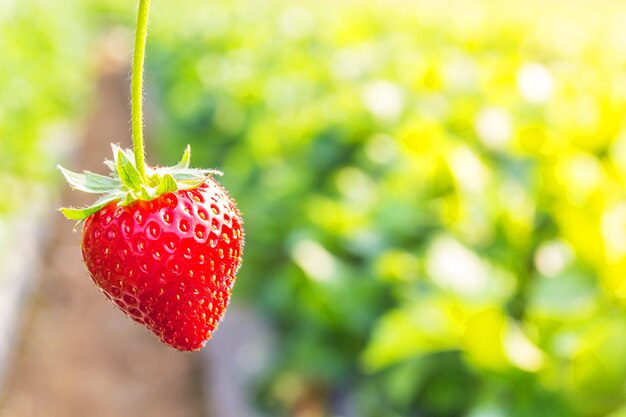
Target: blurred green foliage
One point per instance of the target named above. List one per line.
(43, 84)
(433, 193)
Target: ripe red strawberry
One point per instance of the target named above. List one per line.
(167, 260)
(164, 244)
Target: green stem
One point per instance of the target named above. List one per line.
(137, 87)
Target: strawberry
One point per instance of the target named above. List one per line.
(164, 244)
(165, 250)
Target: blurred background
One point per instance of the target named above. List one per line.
(433, 195)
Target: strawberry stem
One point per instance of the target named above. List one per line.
(141, 34)
(130, 182)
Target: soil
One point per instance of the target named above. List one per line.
(78, 355)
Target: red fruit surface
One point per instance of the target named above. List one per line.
(169, 263)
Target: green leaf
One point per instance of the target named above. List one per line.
(147, 193)
(126, 185)
(110, 164)
(184, 161)
(116, 151)
(189, 184)
(412, 331)
(129, 154)
(193, 174)
(188, 176)
(84, 212)
(128, 173)
(167, 184)
(128, 199)
(90, 182)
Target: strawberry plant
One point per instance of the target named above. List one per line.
(163, 243)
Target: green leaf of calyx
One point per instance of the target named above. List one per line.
(147, 193)
(193, 174)
(116, 151)
(125, 184)
(82, 213)
(167, 185)
(184, 161)
(110, 164)
(90, 182)
(128, 173)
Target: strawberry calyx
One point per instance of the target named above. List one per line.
(125, 184)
